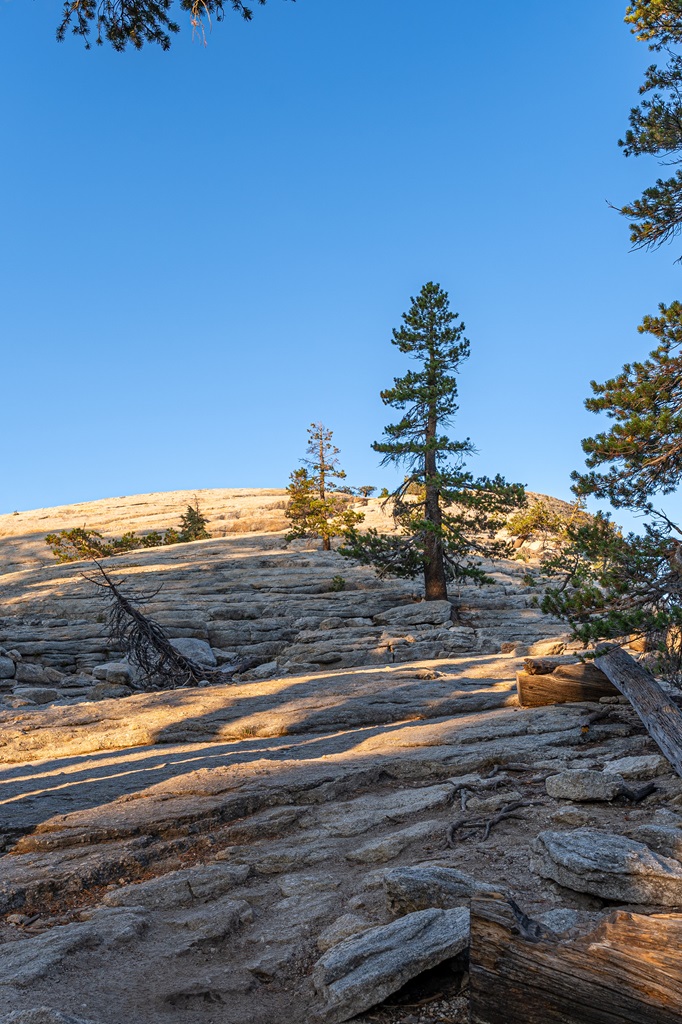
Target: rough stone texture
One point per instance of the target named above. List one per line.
(644, 767)
(428, 885)
(37, 694)
(584, 785)
(225, 820)
(22, 963)
(661, 838)
(198, 651)
(41, 1015)
(342, 928)
(7, 668)
(609, 866)
(390, 846)
(434, 613)
(363, 971)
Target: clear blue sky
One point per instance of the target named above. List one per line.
(204, 250)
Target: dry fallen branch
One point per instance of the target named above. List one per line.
(146, 644)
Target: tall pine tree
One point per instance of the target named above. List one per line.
(317, 507)
(448, 519)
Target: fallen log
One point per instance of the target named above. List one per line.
(626, 969)
(567, 684)
(660, 716)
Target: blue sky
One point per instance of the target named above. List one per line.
(204, 250)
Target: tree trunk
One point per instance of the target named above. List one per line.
(326, 544)
(660, 715)
(625, 969)
(435, 583)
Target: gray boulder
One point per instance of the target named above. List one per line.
(647, 766)
(582, 785)
(7, 668)
(610, 866)
(428, 885)
(198, 651)
(425, 613)
(37, 694)
(37, 675)
(364, 969)
(661, 838)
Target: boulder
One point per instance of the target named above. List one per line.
(582, 784)
(121, 671)
(610, 866)
(37, 694)
(429, 885)
(364, 969)
(645, 767)
(661, 838)
(424, 613)
(7, 668)
(36, 675)
(198, 651)
(108, 691)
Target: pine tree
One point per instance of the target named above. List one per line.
(614, 584)
(124, 23)
(317, 506)
(656, 123)
(193, 524)
(447, 518)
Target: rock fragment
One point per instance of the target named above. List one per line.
(429, 885)
(363, 970)
(582, 784)
(610, 866)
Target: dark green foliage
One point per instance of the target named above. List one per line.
(79, 543)
(318, 506)
(193, 524)
(656, 123)
(338, 584)
(71, 545)
(448, 519)
(642, 451)
(614, 585)
(136, 22)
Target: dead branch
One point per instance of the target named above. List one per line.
(145, 642)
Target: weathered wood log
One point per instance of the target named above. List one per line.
(626, 970)
(539, 690)
(661, 717)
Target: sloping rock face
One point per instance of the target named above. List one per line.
(290, 609)
(192, 855)
(197, 853)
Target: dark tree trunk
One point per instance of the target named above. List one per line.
(326, 544)
(435, 584)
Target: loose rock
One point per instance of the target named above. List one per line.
(363, 971)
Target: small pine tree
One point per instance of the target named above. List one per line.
(193, 524)
(317, 506)
(448, 519)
